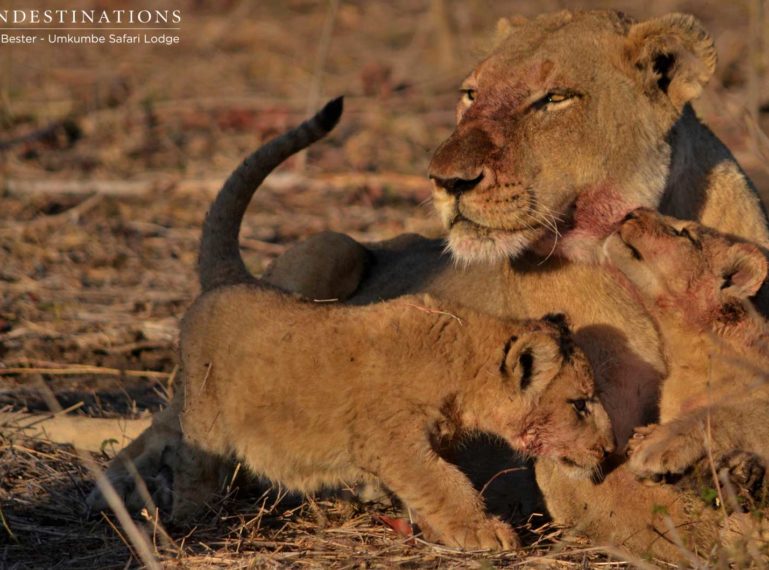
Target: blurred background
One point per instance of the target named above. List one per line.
(110, 154)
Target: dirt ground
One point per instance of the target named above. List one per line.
(109, 157)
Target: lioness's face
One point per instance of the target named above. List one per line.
(558, 136)
(551, 380)
(681, 264)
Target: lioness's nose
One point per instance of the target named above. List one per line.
(458, 163)
(456, 185)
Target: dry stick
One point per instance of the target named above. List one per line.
(40, 133)
(317, 76)
(278, 182)
(709, 443)
(500, 474)
(68, 216)
(435, 312)
(39, 418)
(7, 528)
(755, 63)
(142, 489)
(74, 371)
(137, 536)
(445, 36)
(675, 538)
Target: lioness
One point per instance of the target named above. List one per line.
(698, 283)
(315, 396)
(571, 121)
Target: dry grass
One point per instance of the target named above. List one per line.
(108, 159)
(44, 525)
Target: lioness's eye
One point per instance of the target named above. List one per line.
(468, 95)
(555, 100)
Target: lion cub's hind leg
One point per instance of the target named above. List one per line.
(439, 493)
(746, 473)
(199, 477)
(145, 458)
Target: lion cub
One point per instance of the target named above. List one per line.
(315, 395)
(697, 284)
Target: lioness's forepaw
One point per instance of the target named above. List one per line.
(658, 450)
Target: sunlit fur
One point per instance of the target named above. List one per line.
(645, 139)
(315, 396)
(698, 283)
(570, 170)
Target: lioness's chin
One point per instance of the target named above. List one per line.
(491, 245)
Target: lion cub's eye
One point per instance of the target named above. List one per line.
(685, 233)
(580, 406)
(468, 95)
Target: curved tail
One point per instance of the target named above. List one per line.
(220, 262)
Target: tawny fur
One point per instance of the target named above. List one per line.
(577, 167)
(315, 396)
(698, 284)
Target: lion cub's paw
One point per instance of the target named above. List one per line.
(744, 470)
(656, 450)
(491, 534)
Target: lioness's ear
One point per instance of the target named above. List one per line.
(675, 55)
(505, 27)
(530, 362)
(744, 271)
(503, 30)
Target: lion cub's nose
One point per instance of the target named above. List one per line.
(456, 186)
(604, 450)
(631, 215)
(609, 447)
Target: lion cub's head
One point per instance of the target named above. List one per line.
(563, 128)
(550, 407)
(685, 269)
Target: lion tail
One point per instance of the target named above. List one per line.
(220, 262)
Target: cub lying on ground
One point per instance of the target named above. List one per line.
(322, 395)
(697, 283)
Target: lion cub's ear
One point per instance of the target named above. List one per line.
(531, 361)
(675, 54)
(744, 270)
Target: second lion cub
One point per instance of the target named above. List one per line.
(698, 285)
(321, 395)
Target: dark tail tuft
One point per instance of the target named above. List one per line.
(330, 114)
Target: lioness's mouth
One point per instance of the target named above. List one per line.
(459, 217)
